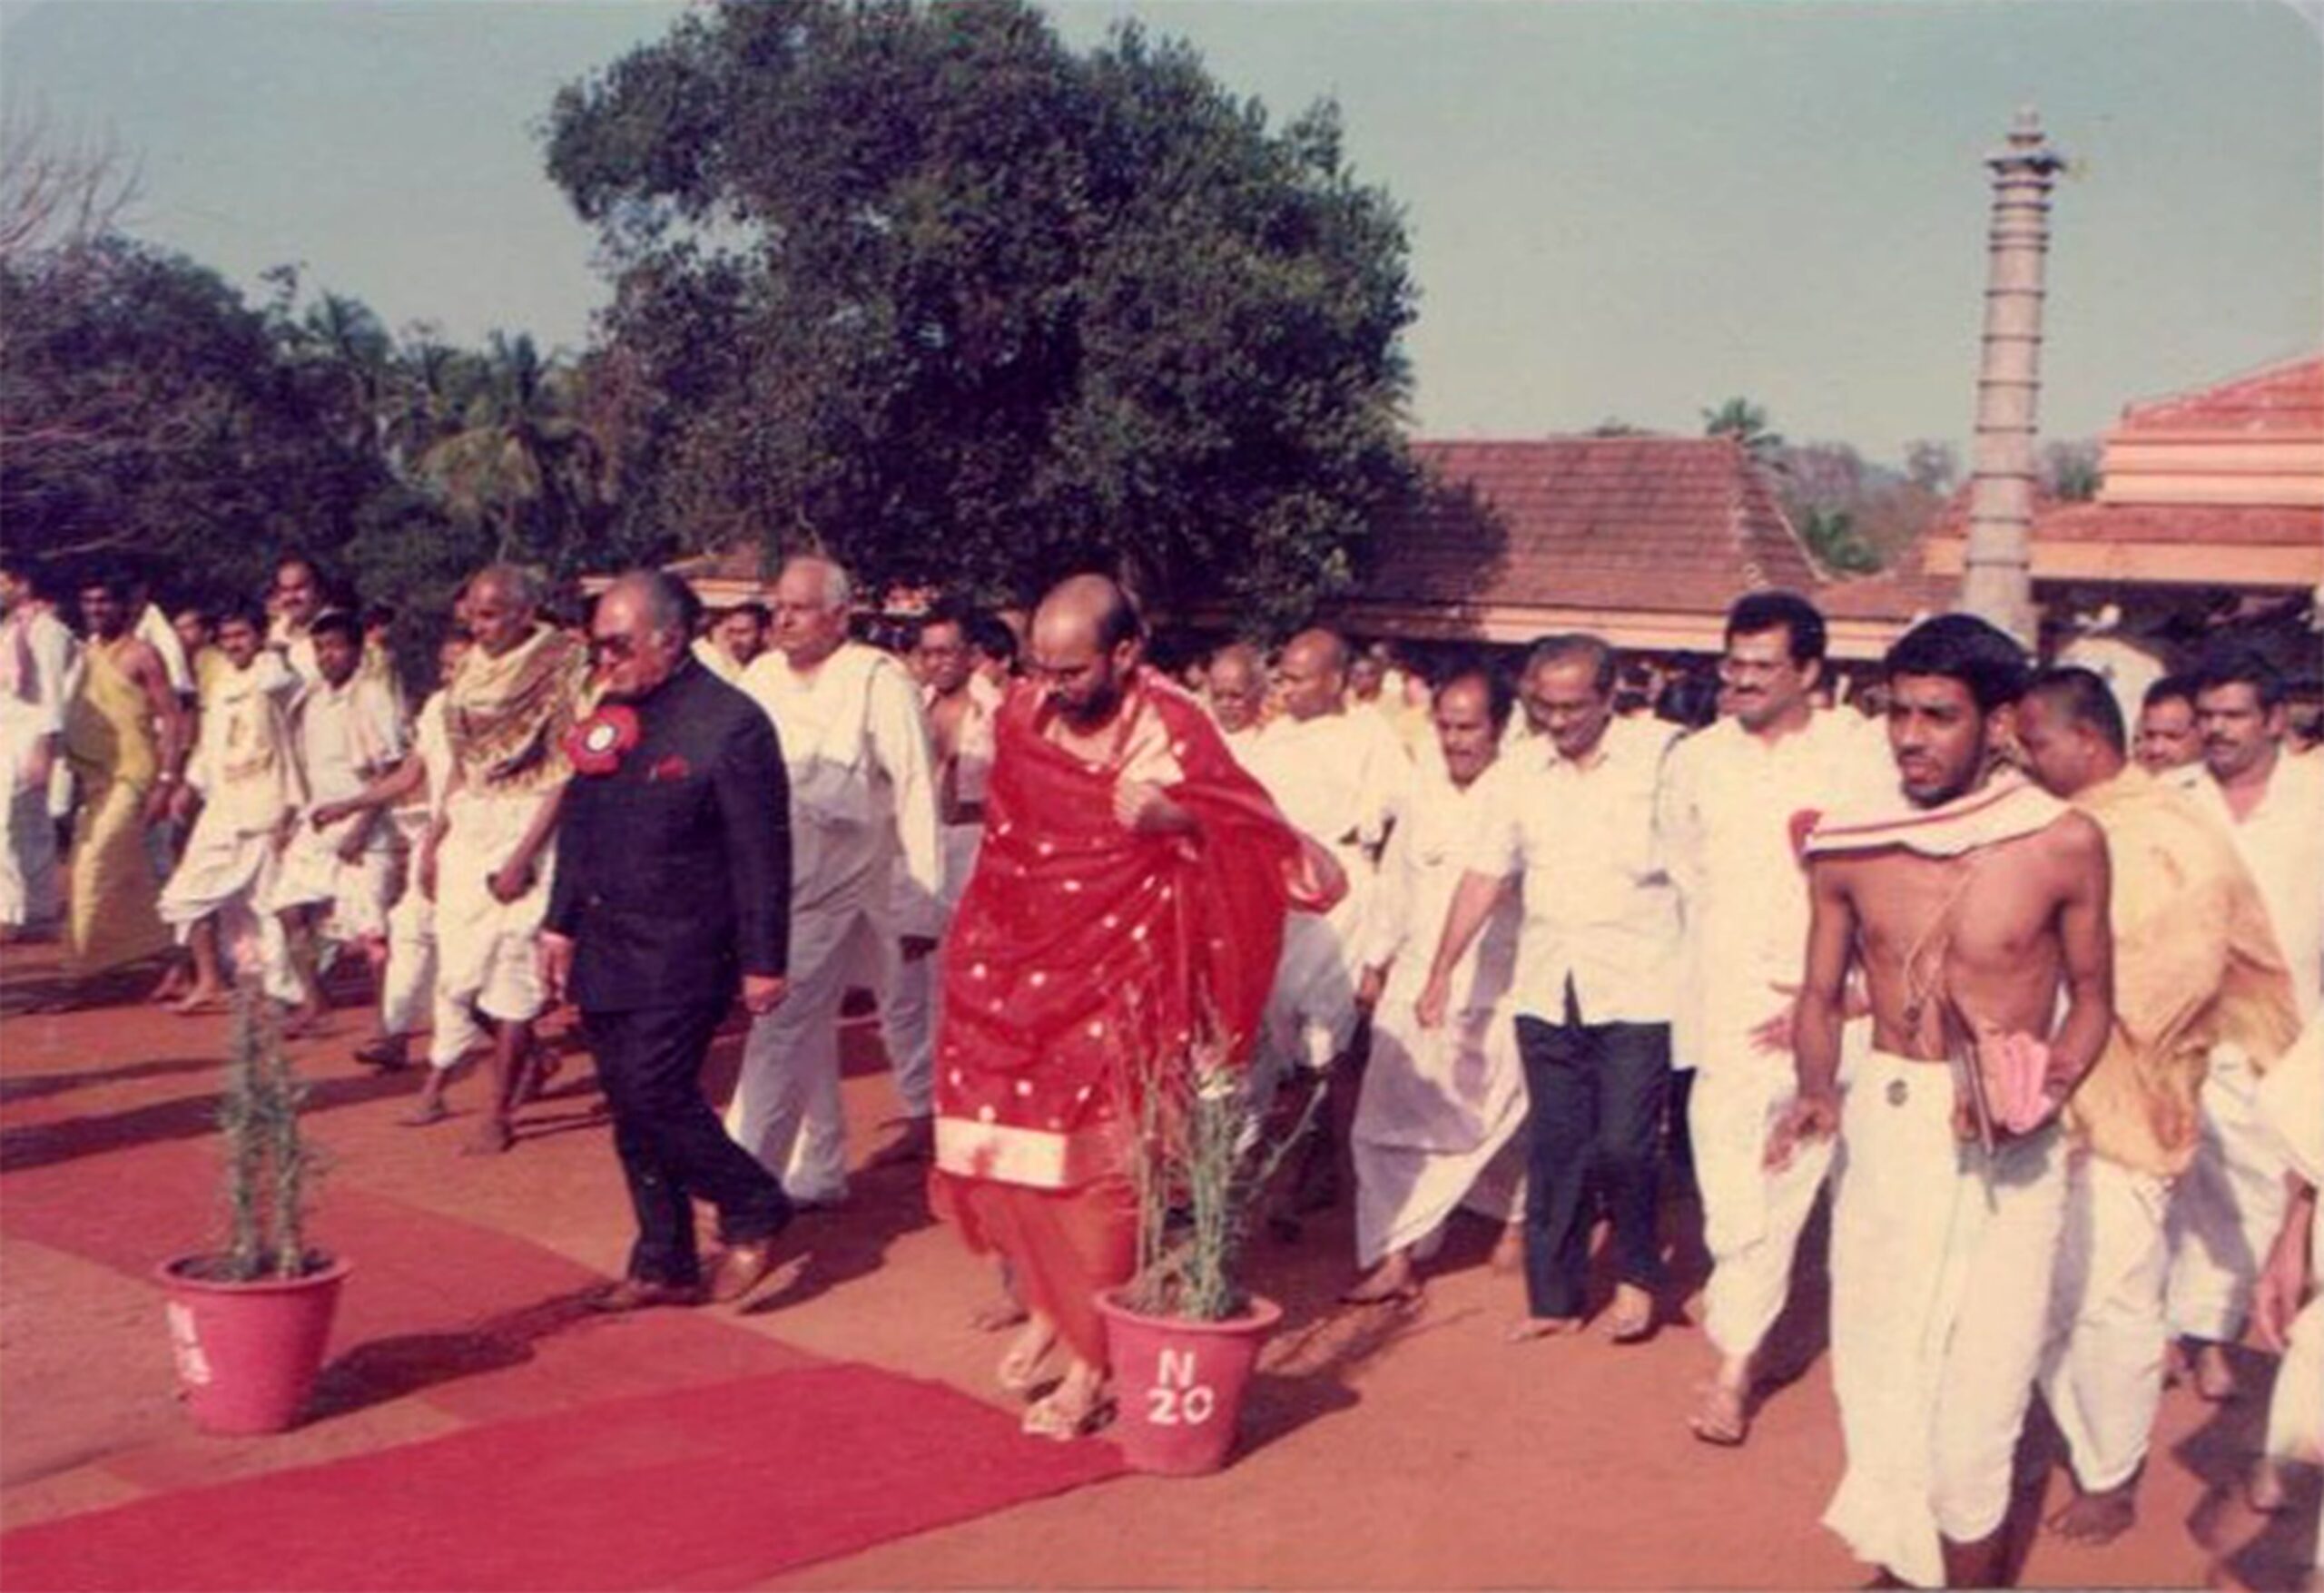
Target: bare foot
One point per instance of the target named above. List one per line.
(2263, 1487)
(384, 1051)
(200, 1002)
(1020, 1368)
(423, 1113)
(1509, 1250)
(1724, 1416)
(303, 1020)
(175, 982)
(996, 1315)
(2214, 1374)
(1391, 1282)
(1528, 1328)
(1632, 1317)
(492, 1135)
(2093, 1519)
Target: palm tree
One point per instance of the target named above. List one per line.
(518, 459)
(1746, 423)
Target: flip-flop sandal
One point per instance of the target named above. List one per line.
(382, 1054)
(1047, 1418)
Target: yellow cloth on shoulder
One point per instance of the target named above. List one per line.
(2195, 965)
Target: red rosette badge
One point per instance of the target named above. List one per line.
(596, 745)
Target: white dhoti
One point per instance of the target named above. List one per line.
(2226, 1211)
(910, 992)
(487, 952)
(786, 1110)
(1752, 1217)
(1310, 1015)
(2102, 1372)
(29, 860)
(1438, 1107)
(311, 873)
(407, 984)
(411, 992)
(230, 876)
(1940, 1290)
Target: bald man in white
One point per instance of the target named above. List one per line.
(866, 874)
(1343, 779)
(1234, 690)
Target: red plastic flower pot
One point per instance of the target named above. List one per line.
(1178, 1385)
(247, 1353)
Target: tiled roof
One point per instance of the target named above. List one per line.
(2211, 524)
(1680, 524)
(1905, 593)
(2280, 398)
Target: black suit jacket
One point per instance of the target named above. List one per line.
(674, 871)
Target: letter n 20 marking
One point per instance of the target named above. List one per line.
(1177, 1400)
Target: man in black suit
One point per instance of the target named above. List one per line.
(672, 886)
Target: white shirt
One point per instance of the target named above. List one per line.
(1732, 809)
(242, 764)
(34, 705)
(154, 629)
(2281, 842)
(1419, 873)
(1600, 911)
(863, 827)
(345, 735)
(717, 661)
(1341, 778)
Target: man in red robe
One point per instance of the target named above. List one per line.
(1128, 902)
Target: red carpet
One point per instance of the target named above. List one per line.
(716, 1487)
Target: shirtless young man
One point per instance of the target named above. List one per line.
(1971, 906)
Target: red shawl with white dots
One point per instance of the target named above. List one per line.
(1083, 952)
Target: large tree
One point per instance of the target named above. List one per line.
(148, 413)
(919, 285)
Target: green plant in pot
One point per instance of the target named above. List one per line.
(1184, 1334)
(248, 1322)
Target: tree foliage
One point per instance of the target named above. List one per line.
(920, 287)
(146, 410)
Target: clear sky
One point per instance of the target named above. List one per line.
(1618, 208)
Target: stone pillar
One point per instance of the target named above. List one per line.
(1997, 584)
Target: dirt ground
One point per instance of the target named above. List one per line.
(1403, 1446)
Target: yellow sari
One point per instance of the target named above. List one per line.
(108, 741)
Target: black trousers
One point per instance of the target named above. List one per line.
(1598, 1092)
(673, 1150)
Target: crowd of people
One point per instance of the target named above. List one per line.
(2021, 979)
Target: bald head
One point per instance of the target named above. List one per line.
(1315, 674)
(1237, 685)
(1084, 648)
(1091, 605)
(812, 596)
(498, 606)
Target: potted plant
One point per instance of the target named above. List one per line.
(1184, 1334)
(248, 1322)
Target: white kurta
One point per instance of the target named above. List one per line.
(34, 678)
(249, 780)
(2227, 1209)
(1733, 809)
(343, 736)
(1343, 780)
(1438, 1105)
(866, 870)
